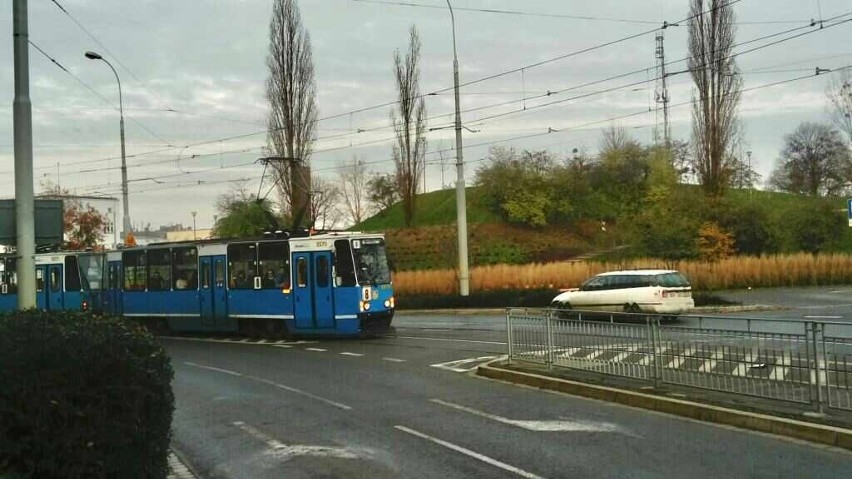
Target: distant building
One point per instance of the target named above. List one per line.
(189, 235)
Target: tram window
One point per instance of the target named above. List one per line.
(91, 271)
(4, 283)
(39, 280)
(159, 270)
(220, 273)
(343, 263)
(113, 277)
(302, 272)
(185, 267)
(274, 261)
(12, 275)
(242, 265)
(72, 274)
(205, 275)
(135, 272)
(322, 272)
(55, 282)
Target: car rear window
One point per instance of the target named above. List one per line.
(671, 280)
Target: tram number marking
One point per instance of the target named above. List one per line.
(366, 294)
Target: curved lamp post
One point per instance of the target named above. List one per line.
(127, 228)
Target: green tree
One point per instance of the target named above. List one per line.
(242, 216)
(816, 226)
(520, 185)
(382, 191)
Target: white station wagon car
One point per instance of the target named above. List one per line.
(653, 291)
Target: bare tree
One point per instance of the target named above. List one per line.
(839, 95)
(718, 85)
(354, 180)
(815, 161)
(291, 92)
(613, 138)
(410, 125)
(325, 204)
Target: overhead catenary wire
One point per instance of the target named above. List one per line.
(330, 149)
(556, 131)
(471, 82)
(547, 104)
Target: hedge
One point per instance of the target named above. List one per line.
(82, 396)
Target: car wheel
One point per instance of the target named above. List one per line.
(562, 310)
(632, 308)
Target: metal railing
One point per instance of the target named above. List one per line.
(805, 361)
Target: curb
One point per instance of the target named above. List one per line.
(818, 433)
(178, 469)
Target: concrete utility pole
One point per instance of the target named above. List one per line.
(461, 201)
(23, 127)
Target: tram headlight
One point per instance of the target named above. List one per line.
(365, 305)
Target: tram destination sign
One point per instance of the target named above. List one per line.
(48, 222)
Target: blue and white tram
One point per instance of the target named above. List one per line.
(335, 284)
(64, 281)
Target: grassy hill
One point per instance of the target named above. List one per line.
(431, 242)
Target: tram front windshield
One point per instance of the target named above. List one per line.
(92, 271)
(371, 261)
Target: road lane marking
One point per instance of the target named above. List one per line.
(260, 342)
(211, 368)
(538, 426)
(274, 384)
(285, 451)
(458, 366)
(468, 452)
(394, 360)
(346, 353)
(316, 349)
(452, 340)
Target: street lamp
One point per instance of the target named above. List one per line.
(127, 229)
(461, 202)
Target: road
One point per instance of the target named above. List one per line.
(406, 406)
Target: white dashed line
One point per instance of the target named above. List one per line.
(357, 355)
(274, 384)
(394, 360)
(468, 452)
(316, 349)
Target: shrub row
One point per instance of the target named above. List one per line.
(82, 396)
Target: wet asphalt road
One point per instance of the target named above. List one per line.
(406, 406)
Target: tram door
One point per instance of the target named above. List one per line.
(313, 290)
(114, 282)
(212, 294)
(49, 294)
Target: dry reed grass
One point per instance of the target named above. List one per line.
(800, 269)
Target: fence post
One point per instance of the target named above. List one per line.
(814, 331)
(549, 356)
(654, 342)
(509, 333)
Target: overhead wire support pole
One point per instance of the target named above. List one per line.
(23, 132)
(461, 201)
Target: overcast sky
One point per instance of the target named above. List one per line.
(193, 74)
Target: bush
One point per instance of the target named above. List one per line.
(82, 396)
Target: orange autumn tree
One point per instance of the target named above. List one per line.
(82, 225)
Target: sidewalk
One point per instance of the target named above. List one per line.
(794, 420)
